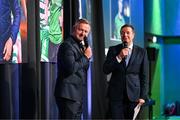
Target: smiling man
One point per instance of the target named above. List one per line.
(128, 64)
(73, 62)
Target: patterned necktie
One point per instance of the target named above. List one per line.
(128, 57)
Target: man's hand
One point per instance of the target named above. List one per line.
(88, 52)
(141, 101)
(8, 49)
(123, 53)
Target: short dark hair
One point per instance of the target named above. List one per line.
(127, 25)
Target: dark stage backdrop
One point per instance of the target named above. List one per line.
(99, 84)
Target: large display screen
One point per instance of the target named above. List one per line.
(13, 26)
(116, 13)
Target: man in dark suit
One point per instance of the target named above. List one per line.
(73, 63)
(128, 64)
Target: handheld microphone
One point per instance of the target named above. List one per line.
(84, 44)
(125, 44)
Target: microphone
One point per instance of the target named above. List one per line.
(84, 44)
(125, 44)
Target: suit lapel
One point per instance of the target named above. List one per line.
(75, 45)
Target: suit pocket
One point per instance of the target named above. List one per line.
(133, 80)
(72, 79)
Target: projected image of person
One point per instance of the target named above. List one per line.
(51, 28)
(44, 29)
(119, 20)
(73, 61)
(8, 27)
(128, 85)
(20, 47)
(55, 28)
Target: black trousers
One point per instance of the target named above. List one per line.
(69, 109)
(122, 109)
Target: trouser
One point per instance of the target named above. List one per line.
(123, 109)
(69, 109)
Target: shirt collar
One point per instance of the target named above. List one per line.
(131, 46)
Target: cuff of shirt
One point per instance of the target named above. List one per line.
(118, 59)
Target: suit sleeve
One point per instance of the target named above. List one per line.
(144, 82)
(68, 60)
(16, 11)
(111, 63)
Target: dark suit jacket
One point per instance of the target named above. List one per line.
(133, 78)
(72, 71)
